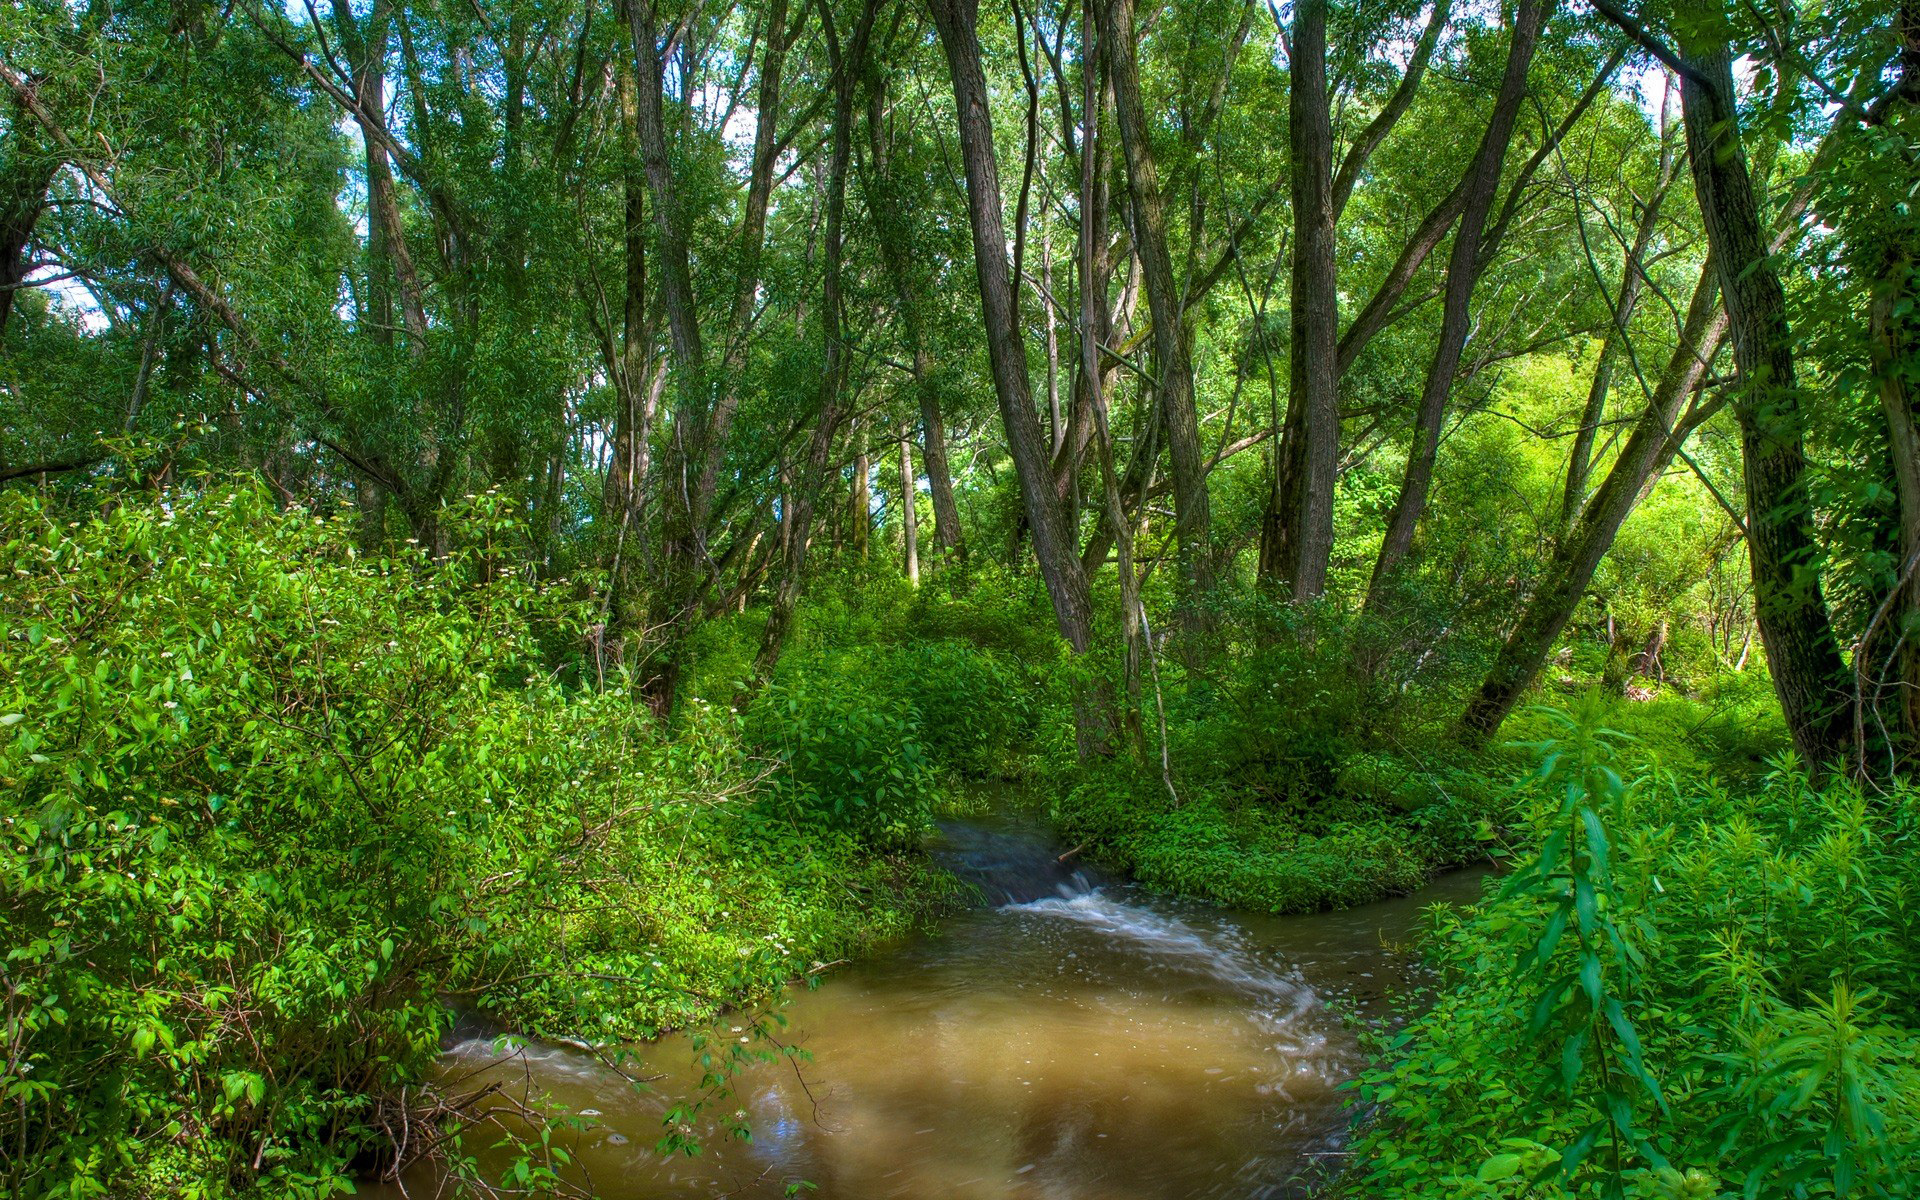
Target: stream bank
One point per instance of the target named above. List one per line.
(1071, 1037)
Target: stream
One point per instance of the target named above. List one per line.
(1073, 1039)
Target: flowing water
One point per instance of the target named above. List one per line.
(1075, 1039)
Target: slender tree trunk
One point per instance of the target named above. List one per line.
(1802, 652)
(1096, 160)
(1656, 438)
(1172, 366)
(1894, 344)
(1053, 540)
(886, 206)
(859, 493)
(683, 516)
(635, 397)
(1056, 424)
(367, 54)
(846, 68)
(1310, 444)
(909, 511)
(1481, 185)
(156, 326)
(1632, 279)
(1095, 319)
(753, 226)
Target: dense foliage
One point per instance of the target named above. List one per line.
(1682, 991)
(270, 806)
(534, 507)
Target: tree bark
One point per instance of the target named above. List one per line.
(1802, 652)
(1053, 541)
(634, 397)
(1480, 186)
(1173, 367)
(1310, 445)
(909, 512)
(27, 174)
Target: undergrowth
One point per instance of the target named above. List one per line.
(271, 809)
(1683, 990)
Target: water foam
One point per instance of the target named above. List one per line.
(1169, 938)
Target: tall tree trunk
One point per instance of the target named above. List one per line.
(1480, 187)
(859, 493)
(683, 516)
(1310, 444)
(1895, 342)
(1802, 652)
(1172, 366)
(367, 54)
(846, 68)
(1053, 540)
(752, 235)
(1056, 422)
(1096, 312)
(909, 512)
(1095, 320)
(1894, 345)
(634, 397)
(1656, 438)
(886, 206)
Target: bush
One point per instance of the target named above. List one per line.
(975, 710)
(850, 751)
(1682, 992)
(1255, 856)
(269, 804)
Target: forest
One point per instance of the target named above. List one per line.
(1081, 598)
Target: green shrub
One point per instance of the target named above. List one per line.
(974, 708)
(849, 749)
(268, 805)
(1683, 991)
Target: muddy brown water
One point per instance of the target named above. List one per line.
(1073, 1039)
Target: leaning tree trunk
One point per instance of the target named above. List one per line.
(1463, 266)
(1053, 541)
(1633, 278)
(1803, 654)
(1654, 441)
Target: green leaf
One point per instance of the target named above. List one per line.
(1500, 1166)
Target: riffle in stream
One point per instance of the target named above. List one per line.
(1075, 1040)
